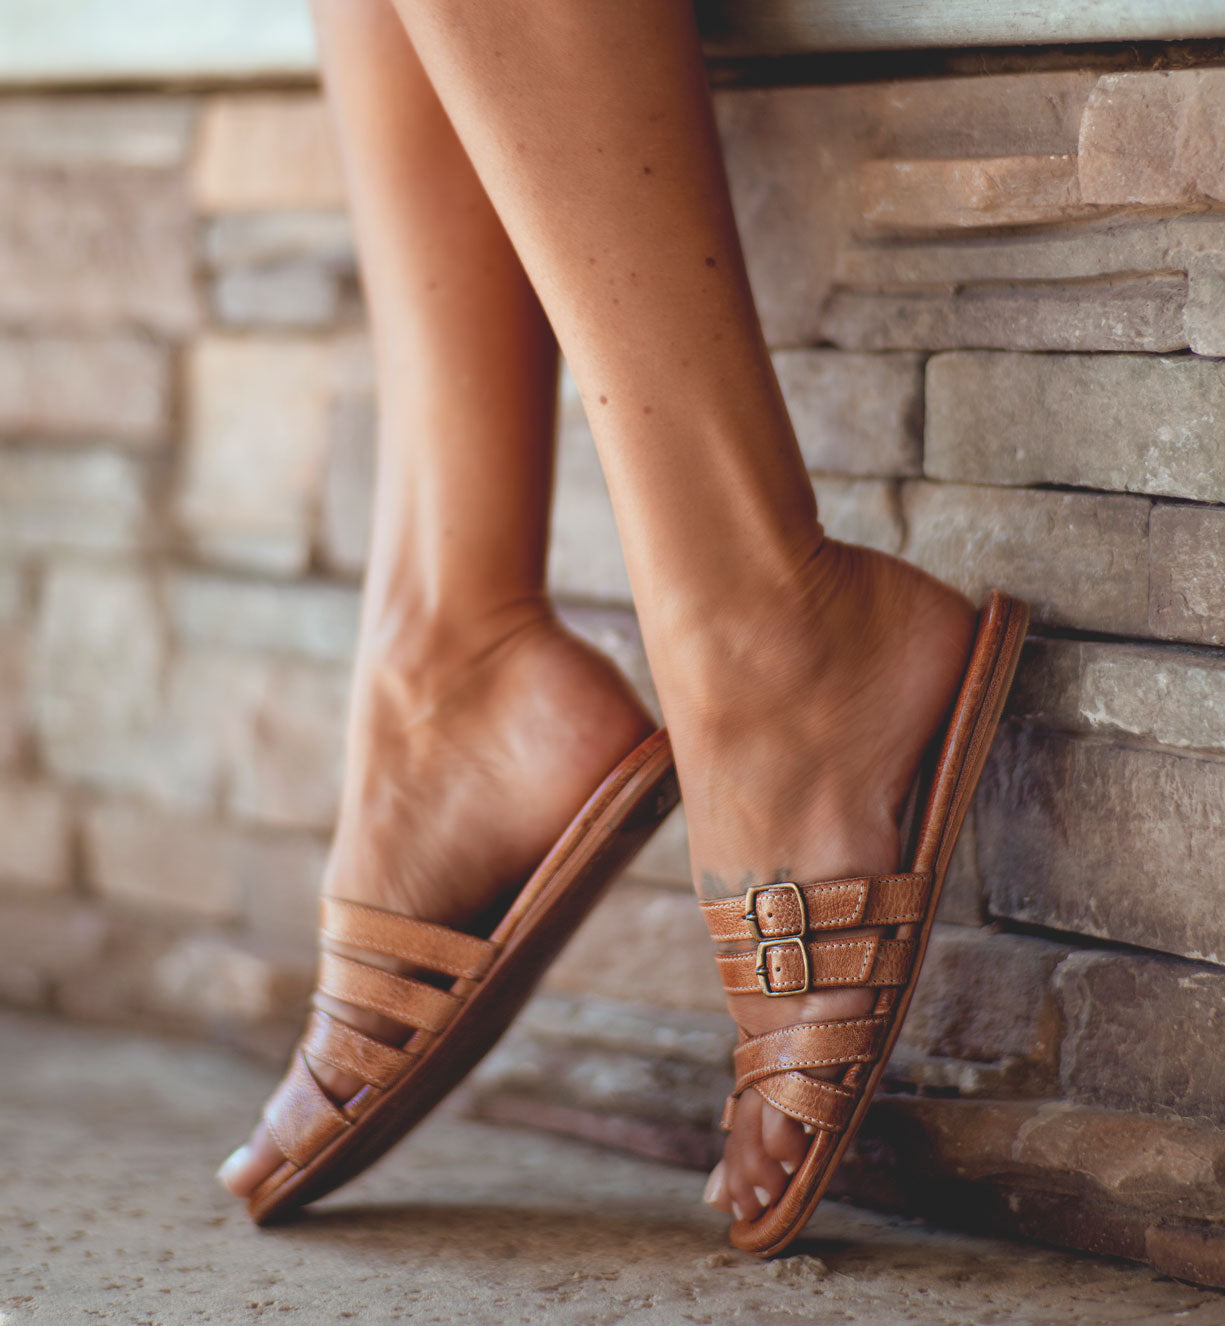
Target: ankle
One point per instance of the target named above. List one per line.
(425, 652)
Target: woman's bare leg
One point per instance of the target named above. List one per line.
(800, 679)
(466, 690)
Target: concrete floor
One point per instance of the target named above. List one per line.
(109, 1214)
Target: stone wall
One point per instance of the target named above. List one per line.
(996, 306)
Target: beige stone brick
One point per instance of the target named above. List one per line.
(643, 945)
(70, 131)
(1141, 1033)
(1125, 314)
(287, 295)
(786, 150)
(257, 433)
(1112, 246)
(995, 115)
(1205, 311)
(114, 387)
(950, 194)
(42, 942)
(14, 712)
(279, 877)
(959, 1012)
(97, 667)
(961, 899)
(1154, 137)
(348, 484)
(1127, 423)
(1172, 696)
(636, 1064)
(91, 500)
(266, 151)
(12, 594)
(854, 414)
(1188, 573)
(288, 750)
(162, 862)
(245, 239)
(35, 828)
(211, 979)
(866, 511)
(1092, 838)
(1079, 560)
(1158, 1166)
(97, 246)
(313, 619)
(585, 558)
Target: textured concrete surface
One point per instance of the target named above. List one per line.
(109, 1214)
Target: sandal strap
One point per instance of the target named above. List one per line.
(823, 1105)
(790, 911)
(330, 1041)
(808, 1045)
(789, 966)
(775, 1066)
(299, 1117)
(400, 997)
(423, 943)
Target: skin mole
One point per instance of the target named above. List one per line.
(710, 262)
(603, 400)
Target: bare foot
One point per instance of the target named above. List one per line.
(456, 786)
(796, 764)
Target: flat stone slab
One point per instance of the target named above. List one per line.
(110, 1214)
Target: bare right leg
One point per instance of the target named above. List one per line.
(800, 679)
(478, 726)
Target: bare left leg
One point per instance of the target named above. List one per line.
(466, 691)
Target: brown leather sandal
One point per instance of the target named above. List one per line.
(795, 930)
(486, 982)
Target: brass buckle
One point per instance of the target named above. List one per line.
(763, 970)
(750, 911)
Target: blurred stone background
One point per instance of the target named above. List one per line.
(995, 285)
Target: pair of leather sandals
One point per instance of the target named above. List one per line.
(478, 984)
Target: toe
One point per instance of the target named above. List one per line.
(754, 1179)
(783, 1139)
(251, 1164)
(716, 1193)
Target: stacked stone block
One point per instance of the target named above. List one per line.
(994, 305)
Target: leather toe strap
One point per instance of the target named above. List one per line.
(775, 1064)
(299, 1117)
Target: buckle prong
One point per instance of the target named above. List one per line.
(763, 967)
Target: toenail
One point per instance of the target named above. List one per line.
(763, 1195)
(736, 1211)
(233, 1164)
(788, 1166)
(714, 1186)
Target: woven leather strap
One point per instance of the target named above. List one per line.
(330, 1041)
(780, 967)
(300, 1118)
(775, 1065)
(433, 947)
(413, 1003)
(785, 911)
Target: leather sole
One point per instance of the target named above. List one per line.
(611, 828)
